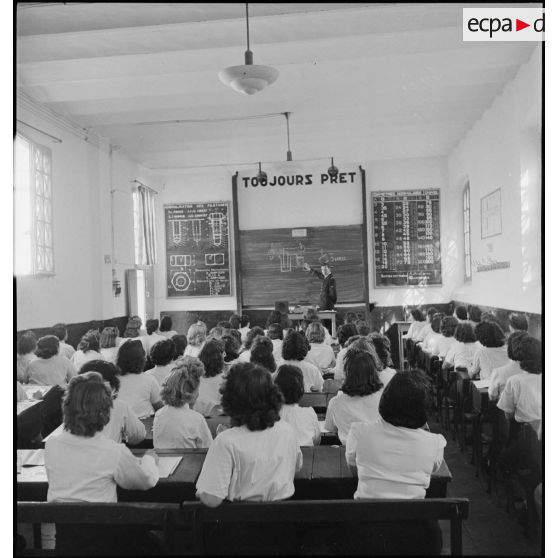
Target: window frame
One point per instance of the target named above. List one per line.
(466, 213)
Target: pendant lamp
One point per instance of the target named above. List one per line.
(333, 171)
(249, 78)
(261, 176)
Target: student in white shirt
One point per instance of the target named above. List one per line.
(493, 352)
(162, 357)
(304, 420)
(176, 425)
(518, 322)
(26, 345)
(231, 344)
(395, 457)
(87, 349)
(244, 355)
(196, 338)
(320, 353)
(244, 327)
(359, 396)
(61, 332)
(427, 328)
(295, 349)
(256, 459)
(460, 314)
(82, 465)
(180, 343)
(140, 390)
(461, 353)
(431, 339)
(234, 322)
(417, 323)
(107, 344)
(441, 346)
(49, 368)
(212, 357)
(165, 329)
(275, 333)
(345, 334)
(474, 315)
(502, 374)
(382, 346)
(152, 337)
(261, 353)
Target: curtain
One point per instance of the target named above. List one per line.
(144, 212)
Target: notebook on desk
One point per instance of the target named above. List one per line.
(167, 466)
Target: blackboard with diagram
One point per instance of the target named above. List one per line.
(198, 249)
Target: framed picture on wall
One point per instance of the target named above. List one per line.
(491, 214)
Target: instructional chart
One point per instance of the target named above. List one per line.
(198, 249)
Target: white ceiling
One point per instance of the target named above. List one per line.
(362, 81)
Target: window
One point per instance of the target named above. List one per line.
(144, 225)
(467, 230)
(33, 248)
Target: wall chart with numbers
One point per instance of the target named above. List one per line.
(198, 249)
(406, 229)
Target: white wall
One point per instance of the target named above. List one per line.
(502, 151)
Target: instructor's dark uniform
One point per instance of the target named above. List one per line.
(328, 294)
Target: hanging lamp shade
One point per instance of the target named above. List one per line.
(248, 78)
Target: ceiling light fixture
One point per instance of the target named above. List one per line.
(261, 176)
(333, 171)
(249, 78)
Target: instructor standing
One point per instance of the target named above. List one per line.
(328, 294)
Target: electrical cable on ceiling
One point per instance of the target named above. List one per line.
(208, 120)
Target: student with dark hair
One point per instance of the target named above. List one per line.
(87, 349)
(304, 420)
(165, 328)
(500, 375)
(474, 313)
(344, 333)
(162, 357)
(518, 322)
(49, 368)
(61, 331)
(256, 459)
(133, 328)
(26, 345)
(252, 334)
(274, 317)
(236, 334)
(320, 354)
(417, 323)
(431, 338)
(153, 335)
(382, 346)
(216, 332)
(462, 352)
(83, 465)
(294, 351)
(177, 425)
(262, 353)
(359, 396)
(427, 328)
(138, 389)
(234, 321)
(363, 328)
(107, 344)
(350, 318)
(212, 356)
(275, 333)
(180, 344)
(441, 345)
(460, 313)
(244, 327)
(231, 345)
(493, 352)
(196, 337)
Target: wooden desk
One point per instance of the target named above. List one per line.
(322, 314)
(324, 475)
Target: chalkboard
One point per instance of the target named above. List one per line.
(272, 262)
(406, 233)
(198, 249)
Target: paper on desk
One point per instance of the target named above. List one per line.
(33, 474)
(23, 405)
(31, 457)
(480, 384)
(167, 465)
(321, 423)
(31, 389)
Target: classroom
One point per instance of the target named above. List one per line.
(278, 278)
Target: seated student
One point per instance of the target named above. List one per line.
(180, 343)
(196, 338)
(83, 465)
(133, 328)
(461, 353)
(312, 316)
(274, 317)
(216, 332)
(500, 375)
(382, 346)
(441, 345)
(518, 322)
(87, 349)
(359, 396)
(344, 333)
(431, 338)
(231, 345)
(286, 323)
(153, 336)
(49, 368)
(262, 353)
(275, 333)
(522, 395)
(363, 328)
(138, 389)
(252, 334)
(427, 328)
(20, 393)
(417, 323)
(61, 332)
(460, 314)
(165, 328)
(244, 327)
(162, 357)
(26, 345)
(350, 318)
(234, 321)
(212, 357)
(493, 352)
(225, 326)
(294, 351)
(256, 459)
(107, 344)
(304, 420)
(474, 314)
(176, 425)
(320, 354)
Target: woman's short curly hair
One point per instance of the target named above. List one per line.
(290, 381)
(275, 331)
(345, 332)
(250, 397)
(151, 326)
(180, 344)
(106, 369)
(131, 358)
(363, 327)
(406, 399)
(382, 345)
(448, 326)
(490, 334)
(196, 335)
(464, 333)
(47, 346)
(162, 352)
(166, 323)
(366, 345)
(474, 313)
(436, 322)
(90, 341)
(108, 337)
(274, 317)
(133, 327)
(350, 317)
(231, 345)
(361, 374)
(212, 357)
(27, 343)
(295, 346)
(513, 343)
(262, 353)
(529, 355)
(87, 404)
(418, 315)
(251, 335)
(181, 385)
(315, 333)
